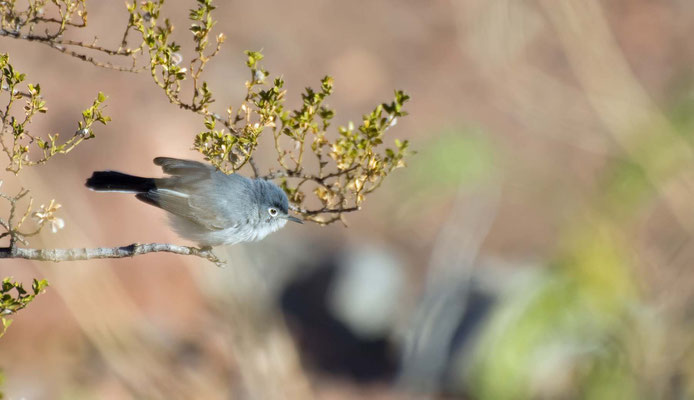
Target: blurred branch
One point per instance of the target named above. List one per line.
(135, 249)
(447, 291)
(262, 344)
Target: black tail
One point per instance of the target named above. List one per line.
(112, 181)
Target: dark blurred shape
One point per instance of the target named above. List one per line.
(479, 306)
(327, 343)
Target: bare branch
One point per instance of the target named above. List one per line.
(135, 249)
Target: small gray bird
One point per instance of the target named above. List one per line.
(205, 205)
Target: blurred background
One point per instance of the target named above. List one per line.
(537, 246)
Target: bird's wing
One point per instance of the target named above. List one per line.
(212, 200)
(175, 166)
(187, 207)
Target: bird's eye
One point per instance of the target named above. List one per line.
(272, 211)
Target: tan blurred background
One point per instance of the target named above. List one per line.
(529, 118)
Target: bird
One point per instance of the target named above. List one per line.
(205, 205)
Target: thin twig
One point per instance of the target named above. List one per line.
(289, 173)
(60, 46)
(324, 210)
(56, 21)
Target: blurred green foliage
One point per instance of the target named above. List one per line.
(564, 330)
(584, 328)
(680, 106)
(455, 156)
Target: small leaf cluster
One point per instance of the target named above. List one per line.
(165, 61)
(227, 151)
(357, 151)
(15, 138)
(230, 147)
(14, 224)
(202, 24)
(13, 297)
(164, 65)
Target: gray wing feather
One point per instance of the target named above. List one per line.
(201, 194)
(191, 209)
(176, 166)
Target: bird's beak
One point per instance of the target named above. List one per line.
(293, 219)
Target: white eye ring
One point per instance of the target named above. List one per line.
(272, 211)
